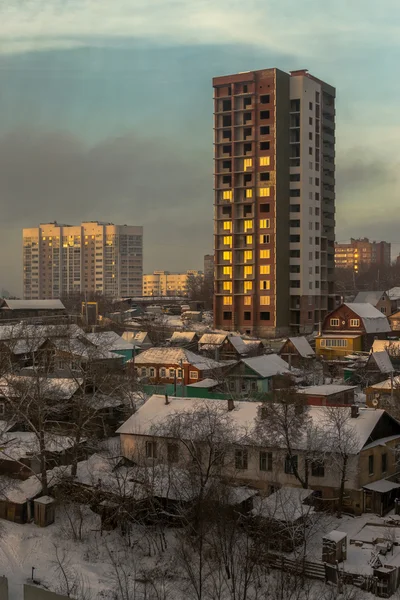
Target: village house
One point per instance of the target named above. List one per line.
(14, 310)
(328, 395)
(351, 328)
(380, 300)
(297, 351)
(185, 339)
(166, 365)
(394, 321)
(384, 394)
(391, 347)
(394, 297)
(224, 346)
(112, 342)
(374, 434)
(140, 340)
(259, 375)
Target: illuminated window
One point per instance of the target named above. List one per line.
(227, 226)
(335, 322)
(248, 163)
(265, 161)
(227, 286)
(247, 300)
(265, 285)
(227, 300)
(227, 271)
(248, 286)
(264, 238)
(354, 322)
(265, 223)
(265, 253)
(248, 255)
(248, 225)
(264, 192)
(227, 255)
(265, 300)
(265, 269)
(249, 193)
(227, 194)
(248, 271)
(228, 240)
(249, 239)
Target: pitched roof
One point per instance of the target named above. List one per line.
(267, 365)
(240, 346)
(371, 297)
(173, 356)
(325, 390)
(374, 321)
(204, 383)
(109, 340)
(33, 304)
(19, 444)
(183, 337)
(382, 361)
(243, 418)
(212, 339)
(302, 346)
(394, 293)
(51, 388)
(387, 384)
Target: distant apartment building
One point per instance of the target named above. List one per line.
(91, 257)
(209, 266)
(164, 283)
(361, 253)
(274, 180)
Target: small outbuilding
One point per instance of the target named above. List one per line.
(44, 511)
(334, 547)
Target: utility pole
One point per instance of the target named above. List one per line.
(183, 377)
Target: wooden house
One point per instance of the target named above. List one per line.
(258, 375)
(296, 351)
(380, 300)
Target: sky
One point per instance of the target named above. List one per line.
(106, 112)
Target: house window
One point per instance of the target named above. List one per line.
(193, 375)
(247, 300)
(227, 271)
(227, 300)
(248, 271)
(354, 322)
(264, 224)
(371, 464)
(384, 463)
(152, 372)
(227, 226)
(265, 269)
(383, 310)
(265, 461)
(248, 286)
(227, 255)
(265, 285)
(241, 459)
(265, 254)
(291, 464)
(265, 316)
(265, 300)
(163, 372)
(264, 161)
(171, 373)
(248, 255)
(264, 238)
(227, 286)
(248, 225)
(335, 322)
(227, 195)
(151, 449)
(249, 193)
(60, 364)
(264, 192)
(172, 453)
(318, 468)
(330, 343)
(179, 373)
(143, 372)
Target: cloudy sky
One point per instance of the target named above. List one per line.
(106, 111)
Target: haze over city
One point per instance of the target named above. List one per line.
(107, 113)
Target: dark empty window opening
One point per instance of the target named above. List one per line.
(295, 193)
(295, 208)
(247, 178)
(226, 121)
(264, 99)
(245, 89)
(247, 210)
(226, 164)
(295, 223)
(247, 316)
(371, 464)
(227, 179)
(295, 105)
(264, 208)
(294, 268)
(226, 105)
(264, 130)
(295, 239)
(384, 463)
(226, 134)
(227, 211)
(247, 148)
(246, 117)
(294, 253)
(264, 145)
(310, 105)
(265, 316)
(264, 176)
(246, 102)
(264, 114)
(295, 177)
(247, 133)
(227, 316)
(227, 149)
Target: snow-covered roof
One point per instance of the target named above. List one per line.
(212, 339)
(33, 304)
(374, 321)
(302, 346)
(335, 536)
(183, 337)
(13, 386)
(382, 485)
(109, 340)
(204, 383)
(394, 293)
(173, 356)
(240, 346)
(83, 348)
(387, 384)
(325, 390)
(32, 333)
(244, 417)
(267, 365)
(371, 297)
(392, 347)
(18, 444)
(382, 360)
(286, 504)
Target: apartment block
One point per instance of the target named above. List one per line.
(209, 266)
(361, 253)
(91, 257)
(274, 182)
(164, 283)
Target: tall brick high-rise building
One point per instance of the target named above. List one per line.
(274, 180)
(90, 257)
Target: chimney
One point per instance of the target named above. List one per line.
(166, 399)
(354, 411)
(231, 404)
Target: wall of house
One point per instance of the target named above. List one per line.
(377, 452)
(32, 592)
(384, 306)
(157, 377)
(352, 345)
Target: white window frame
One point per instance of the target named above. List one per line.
(354, 322)
(193, 374)
(171, 373)
(152, 372)
(335, 322)
(151, 449)
(163, 372)
(143, 372)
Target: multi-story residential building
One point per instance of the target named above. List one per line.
(274, 139)
(91, 257)
(209, 266)
(164, 283)
(361, 253)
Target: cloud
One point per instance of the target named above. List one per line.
(285, 27)
(56, 176)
